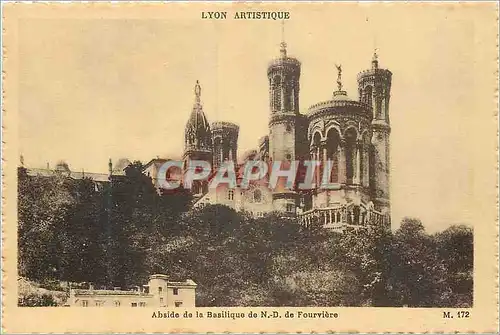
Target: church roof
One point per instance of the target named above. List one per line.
(197, 133)
(197, 119)
(284, 60)
(339, 101)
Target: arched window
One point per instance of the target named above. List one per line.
(287, 94)
(276, 93)
(350, 154)
(368, 95)
(332, 147)
(356, 212)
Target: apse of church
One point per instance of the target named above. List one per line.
(354, 136)
(350, 137)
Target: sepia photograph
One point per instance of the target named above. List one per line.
(252, 161)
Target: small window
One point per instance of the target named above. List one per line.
(289, 207)
(178, 304)
(176, 291)
(288, 127)
(230, 194)
(160, 290)
(117, 303)
(161, 300)
(99, 303)
(85, 303)
(134, 304)
(142, 304)
(257, 196)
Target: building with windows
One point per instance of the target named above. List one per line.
(62, 169)
(159, 292)
(352, 134)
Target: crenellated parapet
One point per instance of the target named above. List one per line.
(286, 64)
(225, 142)
(224, 125)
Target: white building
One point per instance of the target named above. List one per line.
(159, 292)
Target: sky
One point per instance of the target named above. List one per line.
(105, 85)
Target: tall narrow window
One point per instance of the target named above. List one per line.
(176, 291)
(230, 194)
(368, 95)
(277, 93)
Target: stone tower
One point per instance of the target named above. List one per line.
(283, 74)
(375, 90)
(197, 139)
(285, 123)
(225, 142)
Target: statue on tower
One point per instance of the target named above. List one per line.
(339, 77)
(197, 91)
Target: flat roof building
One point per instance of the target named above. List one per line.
(159, 292)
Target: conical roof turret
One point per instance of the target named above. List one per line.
(197, 132)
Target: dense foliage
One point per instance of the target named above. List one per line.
(120, 235)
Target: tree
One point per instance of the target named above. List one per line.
(418, 275)
(456, 250)
(43, 203)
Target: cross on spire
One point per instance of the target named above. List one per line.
(283, 43)
(375, 59)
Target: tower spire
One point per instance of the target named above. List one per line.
(283, 43)
(375, 59)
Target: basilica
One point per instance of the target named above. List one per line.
(353, 134)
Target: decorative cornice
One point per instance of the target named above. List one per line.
(284, 63)
(386, 74)
(224, 125)
(340, 107)
(281, 117)
(381, 125)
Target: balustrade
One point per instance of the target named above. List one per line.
(340, 216)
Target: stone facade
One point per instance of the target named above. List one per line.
(159, 292)
(352, 134)
(225, 141)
